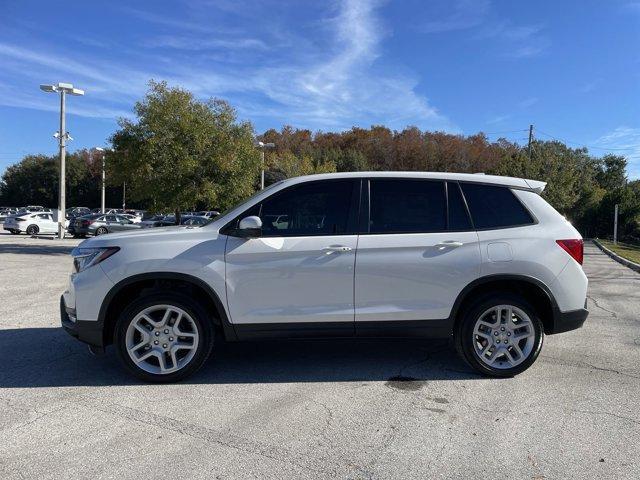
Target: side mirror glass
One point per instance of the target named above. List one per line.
(250, 227)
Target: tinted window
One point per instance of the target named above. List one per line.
(493, 206)
(407, 206)
(111, 218)
(319, 208)
(458, 217)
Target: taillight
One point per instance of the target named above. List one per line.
(574, 247)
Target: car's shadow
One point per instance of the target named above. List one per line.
(27, 249)
(46, 357)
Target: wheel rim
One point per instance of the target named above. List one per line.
(101, 231)
(32, 230)
(162, 339)
(503, 337)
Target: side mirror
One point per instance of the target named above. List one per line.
(249, 227)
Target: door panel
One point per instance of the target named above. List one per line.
(413, 276)
(290, 279)
(300, 271)
(412, 263)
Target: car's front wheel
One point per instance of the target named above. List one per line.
(500, 336)
(163, 336)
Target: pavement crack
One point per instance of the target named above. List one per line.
(206, 434)
(595, 302)
(609, 414)
(582, 364)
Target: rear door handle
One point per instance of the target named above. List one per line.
(336, 248)
(449, 244)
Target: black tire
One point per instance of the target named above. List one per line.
(464, 334)
(197, 312)
(32, 230)
(101, 231)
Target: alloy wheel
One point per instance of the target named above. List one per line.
(162, 339)
(503, 336)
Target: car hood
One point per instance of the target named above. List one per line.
(151, 235)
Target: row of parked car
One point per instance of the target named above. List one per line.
(82, 221)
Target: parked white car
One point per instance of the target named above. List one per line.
(482, 259)
(31, 223)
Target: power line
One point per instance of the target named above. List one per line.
(583, 145)
(504, 131)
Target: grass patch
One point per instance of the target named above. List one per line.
(630, 252)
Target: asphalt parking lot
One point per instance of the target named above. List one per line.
(375, 409)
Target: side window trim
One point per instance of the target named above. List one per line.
(446, 207)
(455, 184)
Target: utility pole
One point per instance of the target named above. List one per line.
(124, 195)
(530, 140)
(62, 136)
(615, 224)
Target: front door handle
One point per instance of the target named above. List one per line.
(449, 244)
(336, 248)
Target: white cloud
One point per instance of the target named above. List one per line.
(624, 141)
(335, 81)
(528, 102)
(466, 14)
(520, 41)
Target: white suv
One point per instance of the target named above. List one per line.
(481, 259)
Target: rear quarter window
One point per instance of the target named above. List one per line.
(494, 206)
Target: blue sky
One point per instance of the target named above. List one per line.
(572, 68)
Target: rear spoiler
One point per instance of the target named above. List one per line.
(535, 185)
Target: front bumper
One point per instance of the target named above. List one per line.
(86, 331)
(566, 321)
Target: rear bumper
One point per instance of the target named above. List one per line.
(566, 321)
(89, 332)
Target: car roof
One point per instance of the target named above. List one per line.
(527, 184)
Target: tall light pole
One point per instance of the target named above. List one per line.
(62, 135)
(262, 146)
(104, 177)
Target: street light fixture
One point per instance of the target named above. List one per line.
(262, 146)
(63, 89)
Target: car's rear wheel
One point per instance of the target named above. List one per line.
(15, 232)
(500, 336)
(32, 230)
(163, 337)
(101, 231)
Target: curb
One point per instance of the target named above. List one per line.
(616, 257)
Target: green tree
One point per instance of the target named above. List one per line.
(182, 153)
(34, 181)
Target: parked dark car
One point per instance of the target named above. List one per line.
(99, 224)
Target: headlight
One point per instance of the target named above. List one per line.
(84, 258)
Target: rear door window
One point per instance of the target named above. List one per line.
(494, 206)
(407, 206)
